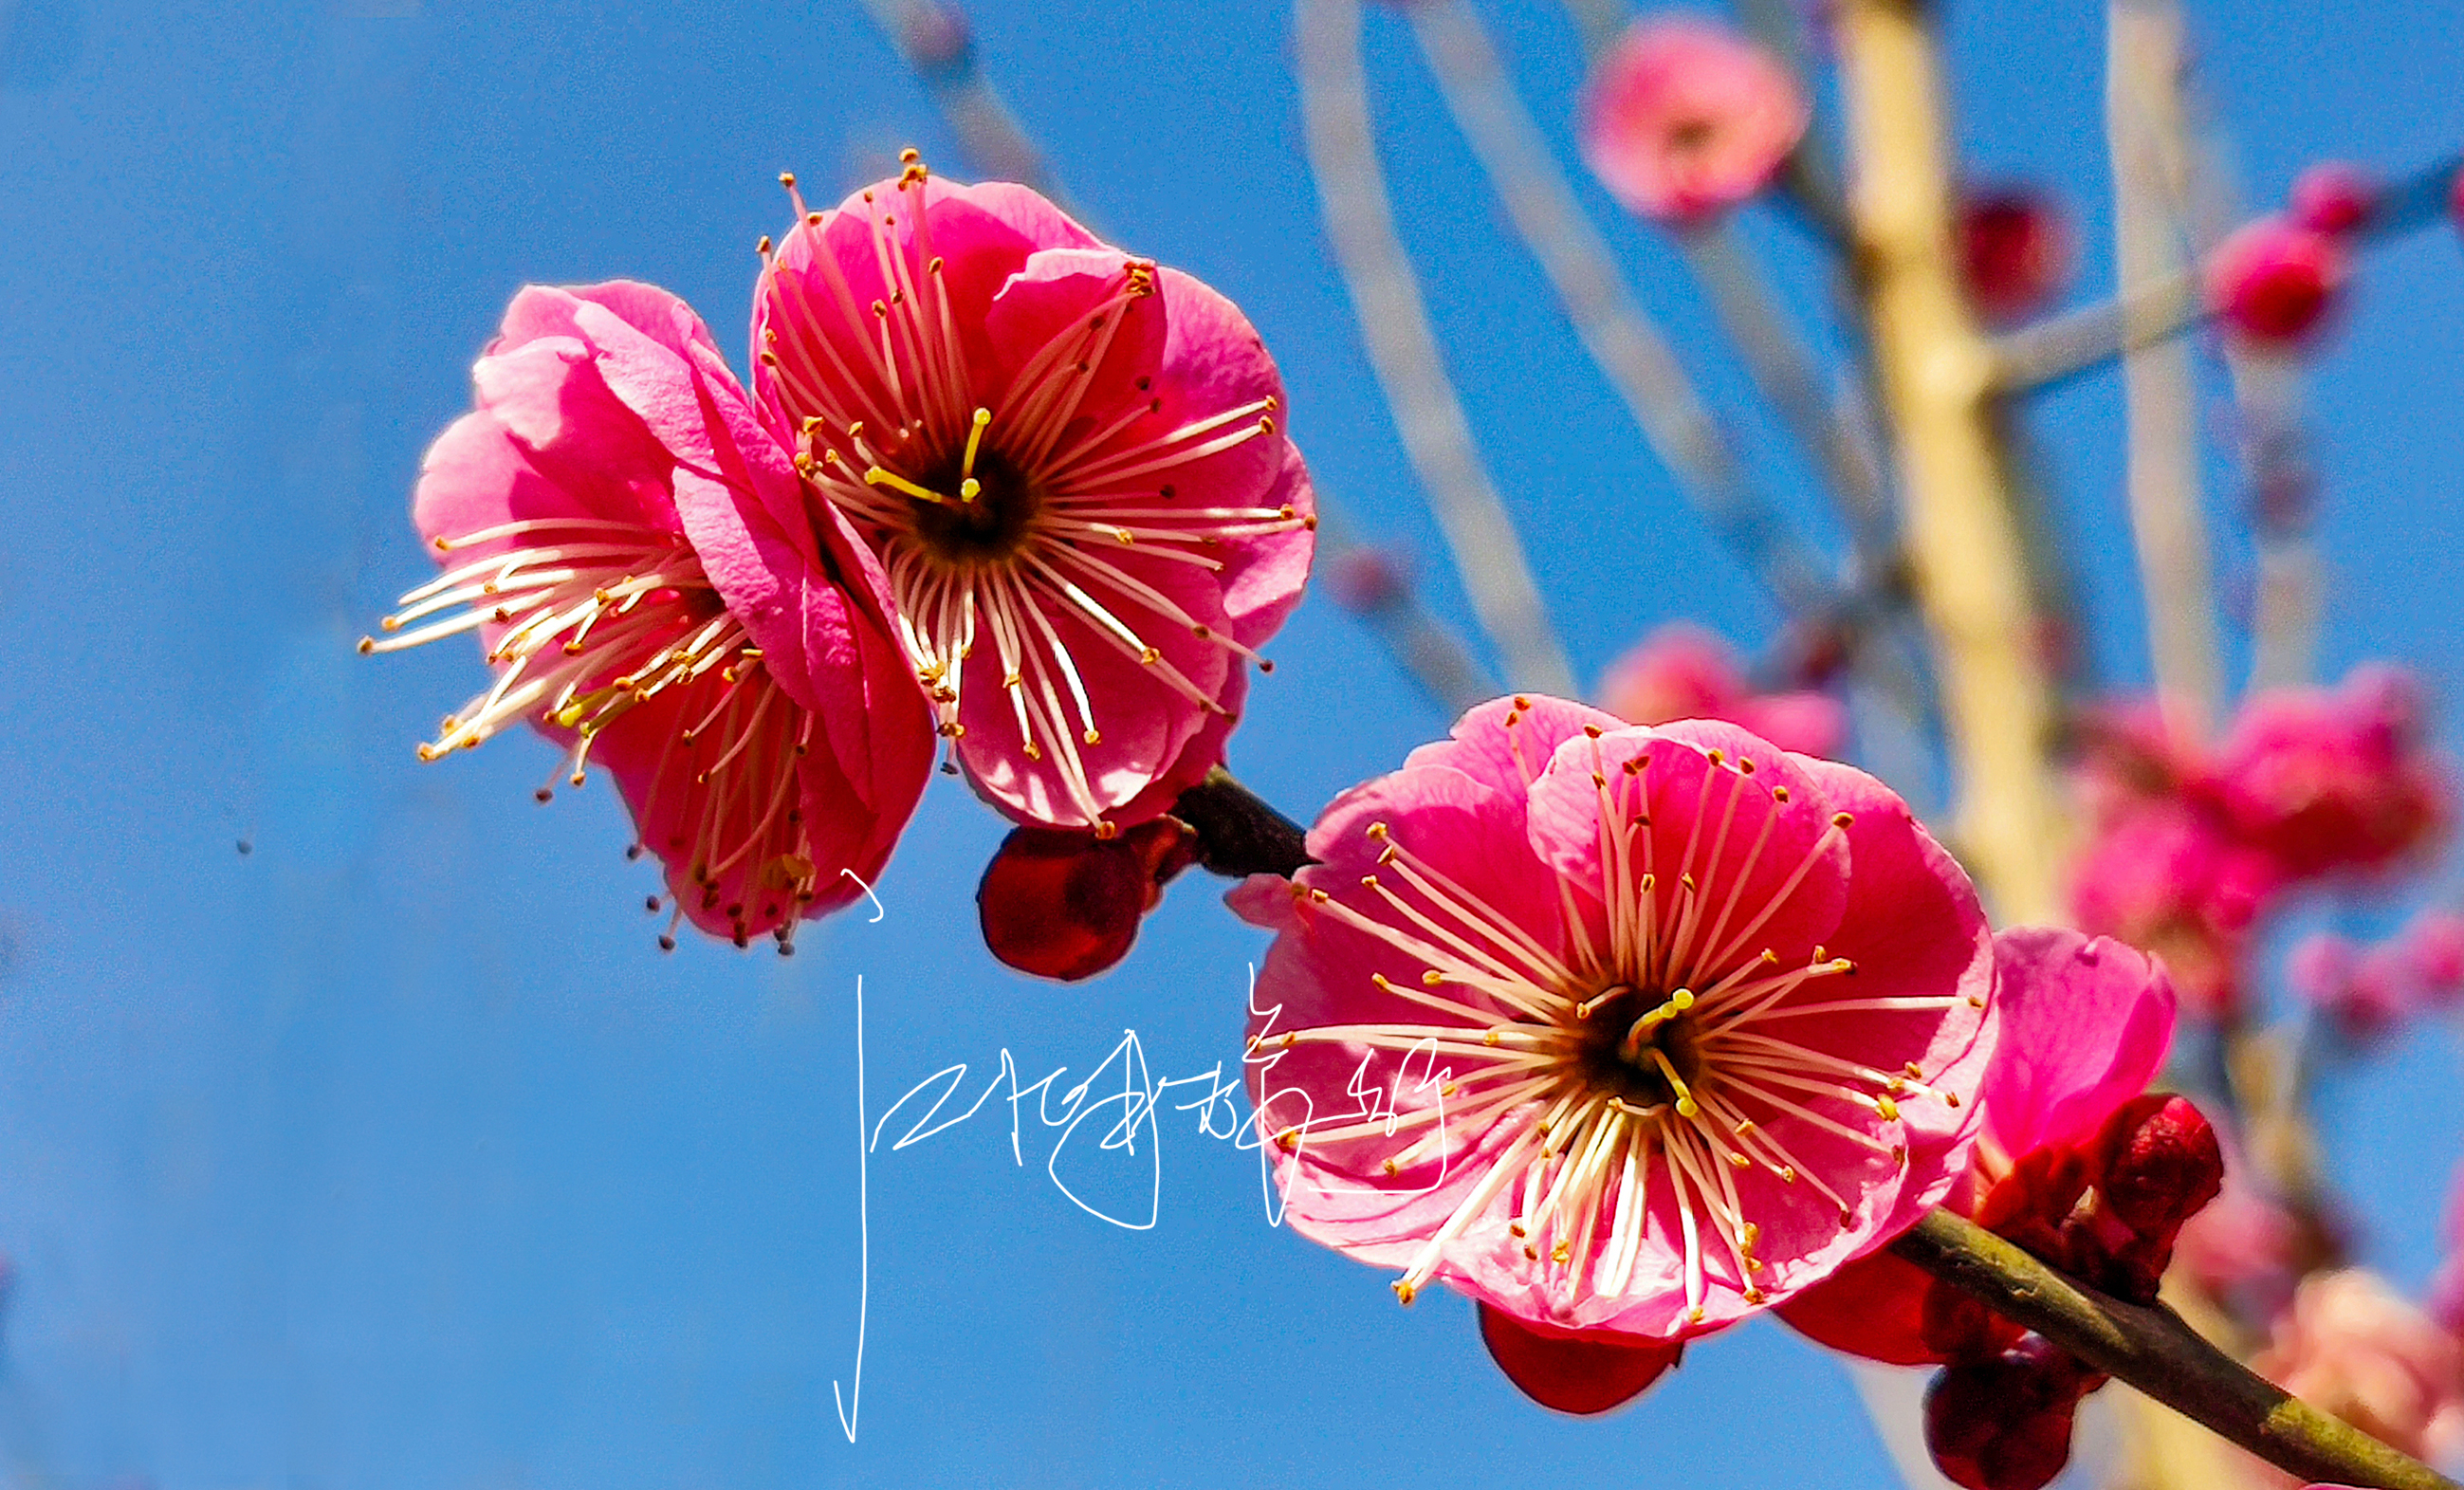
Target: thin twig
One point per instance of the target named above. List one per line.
(1238, 833)
(1404, 350)
(1630, 350)
(2147, 144)
(2060, 347)
(938, 44)
(2152, 1350)
(1420, 642)
(1775, 358)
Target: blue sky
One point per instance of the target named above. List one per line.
(391, 1152)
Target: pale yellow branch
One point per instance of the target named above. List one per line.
(2148, 142)
(1938, 379)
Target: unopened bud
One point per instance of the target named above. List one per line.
(1367, 579)
(2157, 1163)
(1060, 903)
(2014, 250)
(2273, 279)
(2006, 1424)
(2334, 197)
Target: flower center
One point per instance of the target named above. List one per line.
(1692, 136)
(991, 525)
(1644, 1050)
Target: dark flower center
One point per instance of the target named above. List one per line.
(992, 525)
(1633, 1063)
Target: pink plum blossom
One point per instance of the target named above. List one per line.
(631, 547)
(1682, 671)
(2086, 1025)
(1071, 463)
(2173, 880)
(2432, 947)
(2364, 992)
(2328, 779)
(1684, 118)
(1619, 1030)
(2351, 1346)
(2188, 843)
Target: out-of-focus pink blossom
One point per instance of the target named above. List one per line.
(2273, 280)
(2242, 1245)
(2351, 1346)
(1684, 118)
(1562, 1017)
(2447, 1285)
(632, 548)
(1682, 671)
(2014, 250)
(1069, 462)
(2363, 991)
(2334, 197)
(2432, 947)
(2188, 845)
(2170, 879)
(2328, 779)
(1366, 579)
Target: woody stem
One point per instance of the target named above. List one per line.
(1238, 832)
(2150, 1349)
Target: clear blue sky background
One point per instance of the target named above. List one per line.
(393, 1154)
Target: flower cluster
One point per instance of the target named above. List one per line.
(993, 479)
(2189, 844)
(2364, 992)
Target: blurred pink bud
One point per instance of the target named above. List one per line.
(1682, 671)
(937, 37)
(2334, 197)
(2433, 950)
(1367, 579)
(2351, 1346)
(2014, 250)
(2241, 1245)
(2320, 966)
(2273, 279)
(1684, 118)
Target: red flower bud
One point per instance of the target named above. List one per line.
(2157, 1162)
(2006, 1424)
(2014, 250)
(2334, 197)
(2273, 279)
(1060, 903)
(1588, 1371)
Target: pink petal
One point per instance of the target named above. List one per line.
(2085, 1026)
